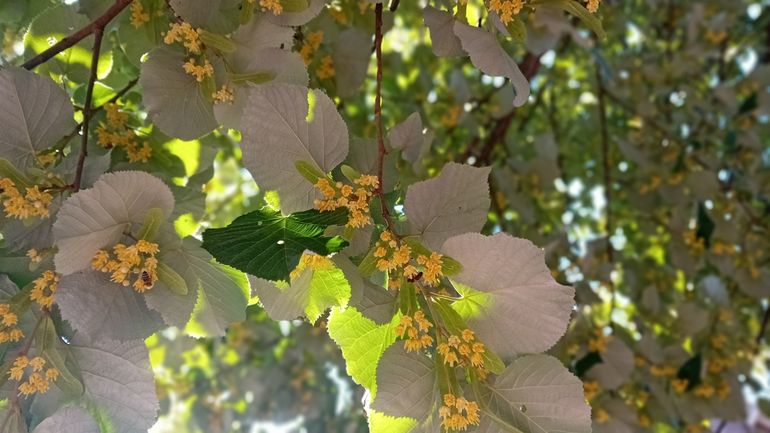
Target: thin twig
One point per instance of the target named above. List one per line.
(98, 24)
(606, 162)
(87, 109)
(394, 5)
(381, 150)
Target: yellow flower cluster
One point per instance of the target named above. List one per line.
(415, 330)
(224, 94)
(138, 259)
(695, 243)
(394, 257)
(718, 365)
(680, 385)
(186, 34)
(464, 350)
(353, 197)
(116, 133)
(44, 289)
(273, 6)
(449, 119)
(200, 72)
(431, 267)
(601, 416)
(311, 45)
(590, 389)
(313, 261)
(458, 413)
(593, 5)
(338, 15)
(139, 16)
(598, 343)
(662, 371)
(506, 9)
(38, 380)
(326, 69)
(33, 203)
(9, 331)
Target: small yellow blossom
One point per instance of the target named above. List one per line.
(326, 69)
(457, 413)
(34, 202)
(464, 350)
(186, 34)
(116, 133)
(506, 9)
(311, 45)
(139, 16)
(680, 385)
(643, 420)
(718, 341)
(273, 6)
(662, 371)
(601, 416)
(9, 331)
(38, 378)
(127, 261)
(312, 261)
(415, 331)
(200, 72)
(34, 256)
(704, 391)
(449, 119)
(432, 264)
(44, 289)
(354, 197)
(338, 15)
(224, 94)
(593, 5)
(590, 389)
(598, 343)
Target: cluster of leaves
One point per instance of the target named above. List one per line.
(662, 230)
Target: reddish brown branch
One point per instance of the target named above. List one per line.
(381, 150)
(98, 24)
(87, 109)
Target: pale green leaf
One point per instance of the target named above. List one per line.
(453, 203)
(407, 384)
(35, 114)
(536, 394)
(351, 55)
(101, 309)
(68, 420)
(362, 342)
(511, 299)
(487, 55)
(174, 99)
(444, 42)
(97, 217)
(616, 366)
(309, 294)
(279, 131)
(118, 382)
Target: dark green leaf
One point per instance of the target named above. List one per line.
(268, 245)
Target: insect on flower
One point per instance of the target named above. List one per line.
(146, 279)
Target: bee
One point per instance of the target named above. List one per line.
(146, 279)
(415, 277)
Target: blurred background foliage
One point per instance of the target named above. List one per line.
(641, 163)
